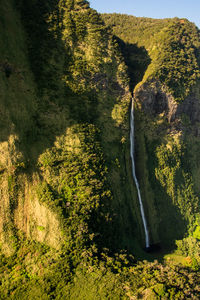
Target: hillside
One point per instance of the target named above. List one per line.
(166, 49)
(70, 223)
(166, 54)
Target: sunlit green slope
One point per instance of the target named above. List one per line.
(70, 220)
(168, 49)
(166, 54)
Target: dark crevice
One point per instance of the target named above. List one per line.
(137, 60)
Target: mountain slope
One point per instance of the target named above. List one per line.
(171, 45)
(167, 104)
(70, 219)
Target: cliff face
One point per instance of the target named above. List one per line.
(167, 137)
(69, 215)
(155, 99)
(48, 120)
(167, 119)
(64, 107)
(18, 104)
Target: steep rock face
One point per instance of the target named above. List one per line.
(155, 100)
(167, 119)
(34, 218)
(64, 128)
(21, 210)
(67, 198)
(170, 138)
(18, 104)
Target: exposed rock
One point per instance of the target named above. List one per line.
(25, 213)
(154, 99)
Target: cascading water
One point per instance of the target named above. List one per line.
(134, 174)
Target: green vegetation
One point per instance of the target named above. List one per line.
(70, 223)
(171, 46)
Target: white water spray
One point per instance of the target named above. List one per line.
(134, 175)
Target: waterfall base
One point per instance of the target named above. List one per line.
(132, 146)
(153, 248)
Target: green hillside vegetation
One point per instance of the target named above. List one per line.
(70, 223)
(171, 47)
(166, 55)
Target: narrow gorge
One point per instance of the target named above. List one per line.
(146, 230)
(89, 184)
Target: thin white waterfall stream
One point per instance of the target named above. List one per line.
(134, 174)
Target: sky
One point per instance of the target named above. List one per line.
(189, 9)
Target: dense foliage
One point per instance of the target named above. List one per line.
(166, 55)
(172, 49)
(70, 220)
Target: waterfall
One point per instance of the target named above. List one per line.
(134, 174)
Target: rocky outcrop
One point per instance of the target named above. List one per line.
(154, 99)
(23, 213)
